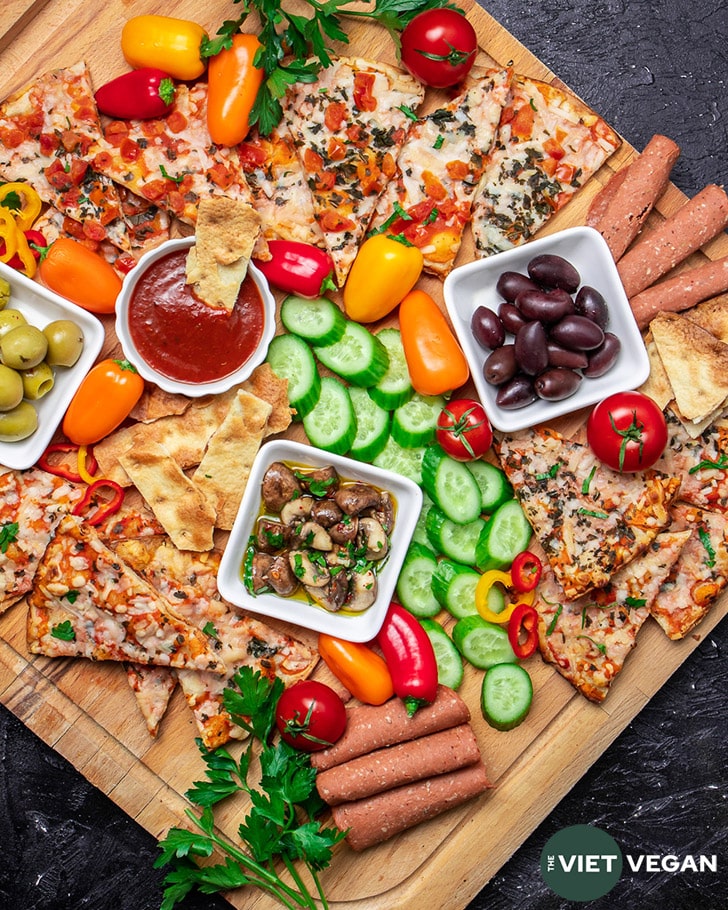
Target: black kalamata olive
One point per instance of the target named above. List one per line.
(590, 303)
(604, 357)
(501, 365)
(515, 394)
(554, 272)
(546, 306)
(487, 328)
(511, 317)
(511, 284)
(560, 356)
(578, 333)
(530, 348)
(557, 383)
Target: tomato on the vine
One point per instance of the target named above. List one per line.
(627, 431)
(439, 46)
(310, 715)
(463, 429)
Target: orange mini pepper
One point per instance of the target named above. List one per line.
(364, 673)
(77, 273)
(435, 360)
(232, 87)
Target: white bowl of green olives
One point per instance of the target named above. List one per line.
(47, 345)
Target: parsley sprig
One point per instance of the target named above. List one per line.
(296, 47)
(279, 833)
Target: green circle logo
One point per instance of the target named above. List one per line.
(581, 863)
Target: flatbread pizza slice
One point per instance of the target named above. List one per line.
(699, 576)
(430, 197)
(589, 639)
(589, 520)
(348, 127)
(86, 602)
(549, 145)
(47, 132)
(152, 688)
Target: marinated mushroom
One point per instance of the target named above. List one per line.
(356, 497)
(281, 576)
(296, 510)
(279, 486)
(333, 595)
(311, 534)
(313, 573)
(362, 590)
(373, 538)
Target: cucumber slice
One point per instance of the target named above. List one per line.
(414, 423)
(450, 670)
(372, 426)
(454, 587)
(454, 540)
(331, 424)
(291, 358)
(358, 356)
(318, 321)
(414, 585)
(506, 534)
(494, 486)
(506, 696)
(395, 387)
(407, 462)
(419, 534)
(483, 644)
(451, 486)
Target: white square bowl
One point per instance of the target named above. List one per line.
(474, 285)
(41, 306)
(359, 627)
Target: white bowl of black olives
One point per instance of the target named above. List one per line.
(546, 327)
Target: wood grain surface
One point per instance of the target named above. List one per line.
(86, 710)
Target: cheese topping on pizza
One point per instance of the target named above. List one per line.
(429, 200)
(348, 127)
(589, 519)
(549, 144)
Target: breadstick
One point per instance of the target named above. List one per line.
(681, 292)
(644, 182)
(701, 219)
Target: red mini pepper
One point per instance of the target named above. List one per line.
(523, 619)
(61, 470)
(526, 572)
(410, 657)
(298, 268)
(138, 95)
(103, 509)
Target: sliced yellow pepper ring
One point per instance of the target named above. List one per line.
(29, 203)
(30, 263)
(9, 233)
(485, 583)
(82, 470)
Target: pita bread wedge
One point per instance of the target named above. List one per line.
(657, 386)
(696, 363)
(712, 315)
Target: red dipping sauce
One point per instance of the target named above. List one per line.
(185, 339)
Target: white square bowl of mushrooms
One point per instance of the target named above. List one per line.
(319, 540)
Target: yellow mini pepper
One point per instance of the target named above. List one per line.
(166, 43)
(384, 272)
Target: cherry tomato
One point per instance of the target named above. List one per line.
(439, 47)
(627, 431)
(463, 429)
(310, 716)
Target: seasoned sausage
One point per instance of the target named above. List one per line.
(682, 292)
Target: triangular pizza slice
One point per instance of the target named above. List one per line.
(549, 144)
(152, 688)
(86, 602)
(348, 127)
(429, 199)
(589, 639)
(589, 519)
(46, 132)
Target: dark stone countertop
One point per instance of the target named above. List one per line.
(647, 67)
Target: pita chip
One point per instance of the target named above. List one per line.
(696, 364)
(712, 315)
(657, 385)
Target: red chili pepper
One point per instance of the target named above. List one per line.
(526, 572)
(523, 619)
(36, 242)
(410, 657)
(138, 95)
(298, 268)
(60, 470)
(90, 498)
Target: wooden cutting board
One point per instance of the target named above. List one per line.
(86, 711)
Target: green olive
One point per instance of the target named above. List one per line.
(37, 381)
(65, 342)
(4, 293)
(11, 319)
(11, 388)
(23, 347)
(18, 423)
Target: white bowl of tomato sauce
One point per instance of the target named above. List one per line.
(177, 341)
